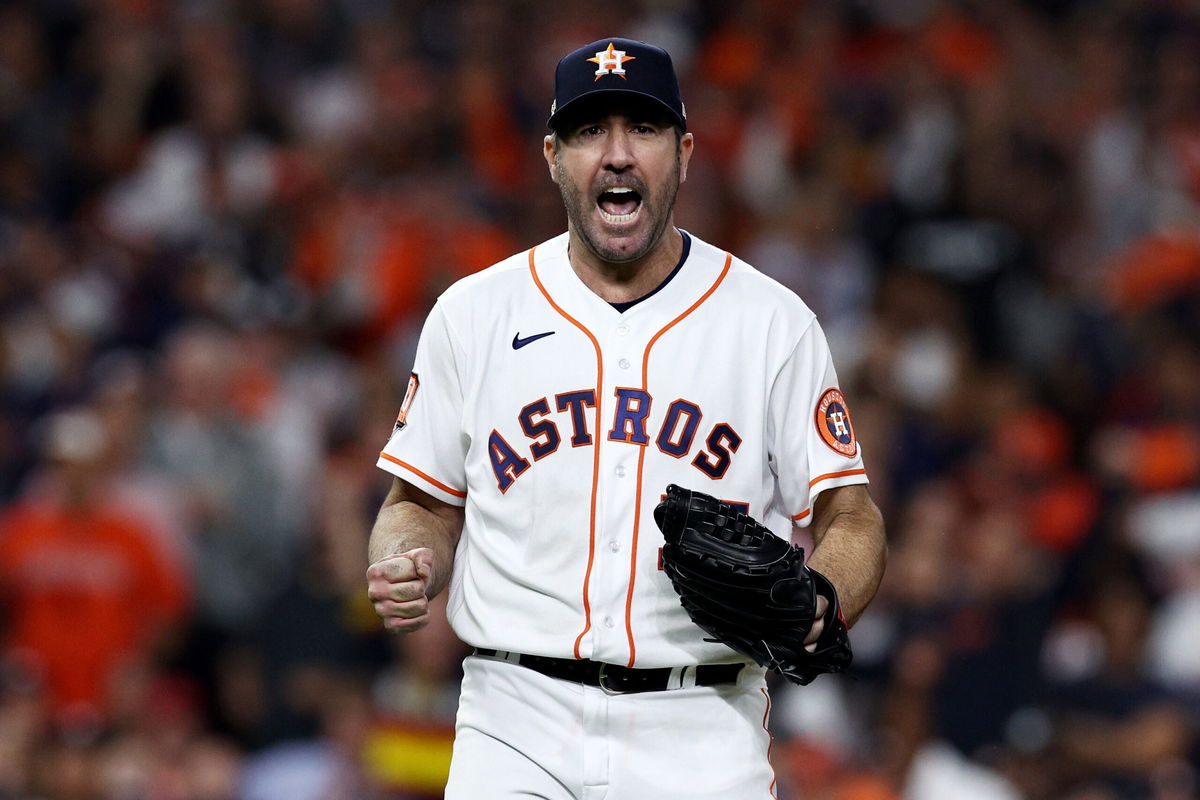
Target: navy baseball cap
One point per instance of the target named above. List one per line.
(609, 66)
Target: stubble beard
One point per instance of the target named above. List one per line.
(580, 212)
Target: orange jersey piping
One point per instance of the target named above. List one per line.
(826, 476)
(637, 503)
(829, 475)
(418, 472)
(587, 575)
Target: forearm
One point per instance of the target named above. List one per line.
(408, 520)
(850, 547)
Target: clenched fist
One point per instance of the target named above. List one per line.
(398, 588)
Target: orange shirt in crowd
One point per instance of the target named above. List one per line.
(82, 591)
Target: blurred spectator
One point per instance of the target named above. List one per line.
(199, 180)
(122, 401)
(1118, 728)
(90, 598)
(804, 248)
(201, 439)
(1166, 531)
(316, 634)
(324, 767)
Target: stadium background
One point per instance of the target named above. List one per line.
(221, 225)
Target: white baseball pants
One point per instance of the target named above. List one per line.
(520, 734)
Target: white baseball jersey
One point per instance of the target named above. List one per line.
(558, 422)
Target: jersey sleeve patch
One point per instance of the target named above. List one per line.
(833, 423)
(410, 394)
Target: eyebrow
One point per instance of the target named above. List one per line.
(586, 122)
(635, 111)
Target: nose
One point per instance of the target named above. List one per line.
(618, 153)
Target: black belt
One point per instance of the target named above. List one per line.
(621, 680)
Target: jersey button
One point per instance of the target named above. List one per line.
(620, 470)
(622, 330)
(614, 546)
(623, 363)
(608, 622)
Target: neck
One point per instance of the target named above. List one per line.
(626, 281)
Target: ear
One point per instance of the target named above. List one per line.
(686, 145)
(548, 153)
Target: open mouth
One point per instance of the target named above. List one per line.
(619, 204)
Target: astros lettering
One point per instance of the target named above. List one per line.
(675, 435)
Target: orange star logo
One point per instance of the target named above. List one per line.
(611, 61)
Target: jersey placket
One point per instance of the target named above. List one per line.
(626, 412)
(626, 344)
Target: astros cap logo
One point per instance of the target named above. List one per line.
(611, 61)
(577, 78)
(833, 423)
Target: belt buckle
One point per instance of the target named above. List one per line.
(602, 679)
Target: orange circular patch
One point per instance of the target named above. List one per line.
(833, 423)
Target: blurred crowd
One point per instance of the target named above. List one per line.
(221, 224)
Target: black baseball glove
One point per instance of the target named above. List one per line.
(748, 588)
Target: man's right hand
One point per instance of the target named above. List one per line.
(398, 588)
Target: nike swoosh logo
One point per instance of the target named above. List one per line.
(518, 342)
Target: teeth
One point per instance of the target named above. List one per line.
(619, 218)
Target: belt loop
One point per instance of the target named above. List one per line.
(499, 655)
(687, 678)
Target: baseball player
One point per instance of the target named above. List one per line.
(554, 397)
